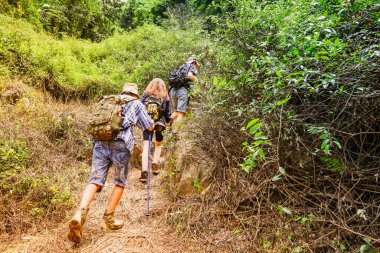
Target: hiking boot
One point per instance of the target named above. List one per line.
(109, 222)
(76, 225)
(155, 168)
(144, 177)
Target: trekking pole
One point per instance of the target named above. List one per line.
(148, 185)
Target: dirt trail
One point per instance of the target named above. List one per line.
(140, 234)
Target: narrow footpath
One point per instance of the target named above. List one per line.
(141, 233)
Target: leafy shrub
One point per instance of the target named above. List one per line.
(70, 67)
(138, 12)
(296, 65)
(13, 157)
(36, 197)
(90, 19)
(334, 165)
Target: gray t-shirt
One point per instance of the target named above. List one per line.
(193, 69)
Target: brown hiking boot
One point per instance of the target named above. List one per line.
(76, 225)
(109, 222)
(155, 168)
(144, 177)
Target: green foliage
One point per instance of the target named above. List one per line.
(87, 19)
(305, 220)
(138, 12)
(38, 194)
(13, 157)
(42, 192)
(327, 140)
(214, 10)
(282, 48)
(297, 64)
(81, 66)
(197, 185)
(59, 126)
(279, 176)
(284, 210)
(334, 165)
(367, 248)
(255, 148)
(267, 245)
(342, 247)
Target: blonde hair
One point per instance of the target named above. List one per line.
(156, 88)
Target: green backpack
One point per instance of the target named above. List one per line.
(106, 119)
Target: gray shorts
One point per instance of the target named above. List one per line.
(104, 155)
(179, 99)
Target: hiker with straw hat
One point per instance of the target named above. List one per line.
(105, 153)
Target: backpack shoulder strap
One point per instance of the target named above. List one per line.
(128, 98)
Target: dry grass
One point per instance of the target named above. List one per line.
(140, 234)
(48, 155)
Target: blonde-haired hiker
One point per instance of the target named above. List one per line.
(105, 153)
(157, 102)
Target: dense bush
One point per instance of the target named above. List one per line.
(303, 83)
(138, 12)
(91, 19)
(70, 67)
(86, 19)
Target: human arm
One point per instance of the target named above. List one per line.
(192, 72)
(142, 99)
(192, 77)
(143, 119)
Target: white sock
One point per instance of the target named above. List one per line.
(144, 156)
(157, 154)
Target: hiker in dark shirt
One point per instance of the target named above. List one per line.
(156, 100)
(105, 153)
(180, 94)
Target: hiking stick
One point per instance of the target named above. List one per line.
(148, 185)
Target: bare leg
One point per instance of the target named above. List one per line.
(114, 198)
(88, 195)
(177, 120)
(174, 116)
(76, 223)
(157, 152)
(180, 116)
(108, 221)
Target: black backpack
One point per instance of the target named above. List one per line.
(178, 78)
(153, 107)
